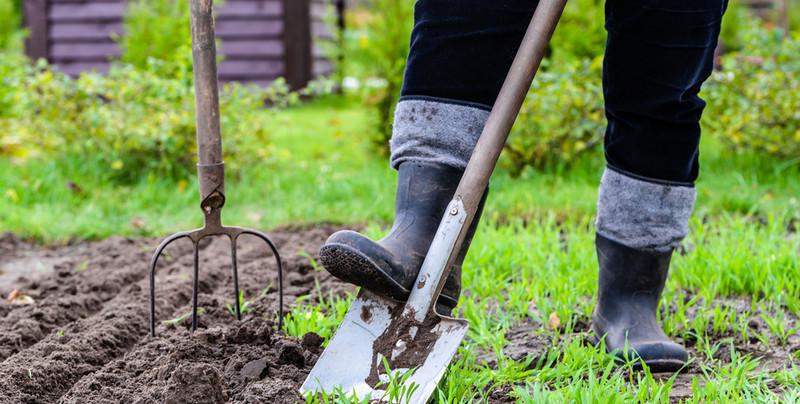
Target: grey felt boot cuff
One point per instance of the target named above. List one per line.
(435, 132)
(643, 214)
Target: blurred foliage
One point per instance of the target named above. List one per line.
(139, 119)
(794, 17)
(753, 102)
(355, 40)
(158, 29)
(561, 118)
(376, 47)
(580, 32)
(753, 105)
(734, 21)
(133, 121)
(332, 47)
(10, 15)
(381, 42)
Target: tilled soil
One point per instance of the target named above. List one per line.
(84, 337)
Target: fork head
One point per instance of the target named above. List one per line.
(213, 227)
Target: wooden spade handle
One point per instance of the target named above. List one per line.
(504, 113)
(505, 110)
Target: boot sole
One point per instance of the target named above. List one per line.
(661, 365)
(351, 266)
(655, 365)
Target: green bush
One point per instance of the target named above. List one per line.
(580, 32)
(158, 29)
(377, 46)
(734, 23)
(794, 17)
(562, 117)
(753, 102)
(332, 47)
(11, 21)
(132, 122)
(13, 66)
(383, 39)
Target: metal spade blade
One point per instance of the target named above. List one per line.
(382, 339)
(354, 359)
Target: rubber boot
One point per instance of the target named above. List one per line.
(629, 288)
(390, 266)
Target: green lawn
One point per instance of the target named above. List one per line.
(532, 259)
(324, 170)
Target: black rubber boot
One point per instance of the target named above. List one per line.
(629, 288)
(390, 265)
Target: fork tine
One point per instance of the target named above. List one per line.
(280, 270)
(153, 262)
(195, 236)
(235, 280)
(195, 284)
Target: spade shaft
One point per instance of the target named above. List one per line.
(495, 133)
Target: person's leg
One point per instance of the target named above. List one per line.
(658, 54)
(460, 53)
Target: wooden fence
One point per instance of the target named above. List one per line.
(261, 39)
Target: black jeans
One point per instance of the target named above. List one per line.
(658, 53)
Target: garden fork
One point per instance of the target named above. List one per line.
(210, 168)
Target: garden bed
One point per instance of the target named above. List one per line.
(84, 337)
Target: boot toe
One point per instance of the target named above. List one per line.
(662, 356)
(653, 349)
(356, 259)
(659, 356)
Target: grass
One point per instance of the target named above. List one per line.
(302, 184)
(532, 259)
(324, 171)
